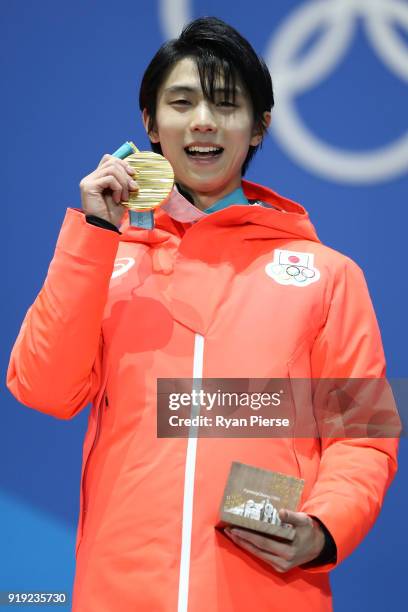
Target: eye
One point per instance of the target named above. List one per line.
(181, 102)
(226, 104)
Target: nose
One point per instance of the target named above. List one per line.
(203, 119)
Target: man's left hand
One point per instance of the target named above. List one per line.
(307, 544)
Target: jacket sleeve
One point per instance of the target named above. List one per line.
(355, 472)
(55, 364)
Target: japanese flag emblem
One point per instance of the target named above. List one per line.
(292, 268)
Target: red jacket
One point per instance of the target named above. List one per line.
(206, 299)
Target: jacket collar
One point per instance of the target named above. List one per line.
(274, 217)
(180, 209)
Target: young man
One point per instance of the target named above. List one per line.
(201, 295)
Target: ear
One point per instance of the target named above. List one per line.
(259, 131)
(152, 134)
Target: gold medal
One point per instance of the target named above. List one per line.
(155, 178)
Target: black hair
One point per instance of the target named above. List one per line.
(219, 51)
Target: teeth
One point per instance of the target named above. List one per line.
(195, 149)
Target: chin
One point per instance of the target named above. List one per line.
(203, 184)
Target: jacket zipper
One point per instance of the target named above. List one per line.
(189, 478)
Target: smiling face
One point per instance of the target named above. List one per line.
(205, 141)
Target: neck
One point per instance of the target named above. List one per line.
(203, 200)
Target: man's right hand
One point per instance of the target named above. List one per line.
(104, 190)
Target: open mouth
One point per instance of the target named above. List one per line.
(201, 152)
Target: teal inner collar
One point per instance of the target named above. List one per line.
(235, 197)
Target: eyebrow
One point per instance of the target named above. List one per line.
(189, 89)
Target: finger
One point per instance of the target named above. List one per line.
(133, 185)
(122, 174)
(265, 543)
(106, 159)
(119, 173)
(297, 519)
(279, 564)
(110, 182)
